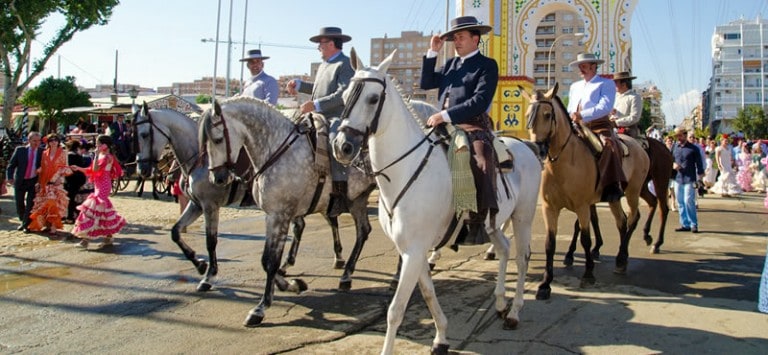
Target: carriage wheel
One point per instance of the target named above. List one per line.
(122, 183)
(159, 185)
(115, 186)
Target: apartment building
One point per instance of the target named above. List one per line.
(557, 45)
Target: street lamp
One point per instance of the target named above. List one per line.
(549, 56)
(133, 93)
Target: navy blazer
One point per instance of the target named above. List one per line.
(470, 88)
(17, 166)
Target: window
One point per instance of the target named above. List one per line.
(732, 36)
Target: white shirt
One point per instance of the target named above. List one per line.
(629, 107)
(595, 98)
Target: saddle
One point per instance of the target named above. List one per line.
(594, 141)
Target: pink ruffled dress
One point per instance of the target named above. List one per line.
(97, 215)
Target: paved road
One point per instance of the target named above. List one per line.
(698, 296)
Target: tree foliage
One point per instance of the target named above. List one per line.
(20, 23)
(752, 122)
(203, 99)
(52, 96)
(645, 116)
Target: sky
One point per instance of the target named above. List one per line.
(160, 42)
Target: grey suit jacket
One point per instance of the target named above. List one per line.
(330, 82)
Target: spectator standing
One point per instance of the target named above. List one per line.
(760, 178)
(51, 199)
(74, 182)
(688, 164)
(22, 175)
(743, 163)
(710, 171)
(726, 184)
(98, 216)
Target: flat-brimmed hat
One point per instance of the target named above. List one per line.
(680, 130)
(330, 32)
(465, 23)
(254, 54)
(586, 58)
(622, 75)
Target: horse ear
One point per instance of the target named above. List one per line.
(525, 94)
(387, 61)
(354, 59)
(553, 91)
(145, 108)
(216, 108)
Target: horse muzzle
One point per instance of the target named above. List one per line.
(220, 176)
(345, 147)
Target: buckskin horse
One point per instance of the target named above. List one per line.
(569, 180)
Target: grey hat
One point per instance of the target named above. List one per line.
(330, 32)
(586, 58)
(254, 54)
(465, 23)
(623, 75)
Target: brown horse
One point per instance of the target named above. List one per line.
(660, 172)
(570, 179)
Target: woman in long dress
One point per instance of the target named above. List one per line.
(726, 184)
(51, 199)
(98, 217)
(710, 172)
(759, 179)
(743, 162)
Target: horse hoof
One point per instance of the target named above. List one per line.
(253, 320)
(490, 256)
(595, 255)
(431, 266)
(440, 349)
(510, 324)
(620, 270)
(655, 250)
(204, 286)
(282, 272)
(339, 264)
(587, 282)
(568, 261)
(393, 285)
(201, 267)
(648, 240)
(543, 294)
(345, 285)
(298, 286)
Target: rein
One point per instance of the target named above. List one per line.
(152, 127)
(553, 125)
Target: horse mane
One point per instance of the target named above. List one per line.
(407, 101)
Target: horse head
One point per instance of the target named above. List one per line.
(542, 116)
(363, 101)
(220, 146)
(149, 146)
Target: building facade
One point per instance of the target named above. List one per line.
(558, 42)
(739, 70)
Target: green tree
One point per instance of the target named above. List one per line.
(52, 96)
(752, 122)
(20, 23)
(645, 116)
(203, 99)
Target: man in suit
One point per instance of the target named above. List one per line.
(331, 80)
(22, 171)
(467, 84)
(119, 132)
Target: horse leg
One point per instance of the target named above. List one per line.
(652, 202)
(298, 231)
(211, 240)
(596, 228)
(140, 186)
(623, 227)
(550, 224)
(663, 205)
(413, 268)
(585, 218)
(359, 210)
(437, 254)
(501, 245)
(270, 261)
(154, 190)
(396, 277)
(191, 213)
(427, 287)
(337, 248)
(568, 260)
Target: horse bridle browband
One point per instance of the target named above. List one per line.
(357, 89)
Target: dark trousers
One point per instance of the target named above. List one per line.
(24, 195)
(72, 207)
(609, 164)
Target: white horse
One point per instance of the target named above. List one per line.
(415, 203)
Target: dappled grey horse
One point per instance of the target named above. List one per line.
(287, 182)
(156, 128)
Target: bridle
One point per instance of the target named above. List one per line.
(533, 114)
(354, 96)
(152, 127)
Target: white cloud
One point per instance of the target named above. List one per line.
(679, 107)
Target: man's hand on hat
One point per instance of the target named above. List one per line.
(436, 43)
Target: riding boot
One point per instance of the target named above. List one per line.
(338, 203)
(476, 226)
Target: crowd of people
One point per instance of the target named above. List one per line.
(57, 183)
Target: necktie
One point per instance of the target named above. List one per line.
(30, 173)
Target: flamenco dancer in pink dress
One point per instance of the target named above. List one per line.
(98, 217)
